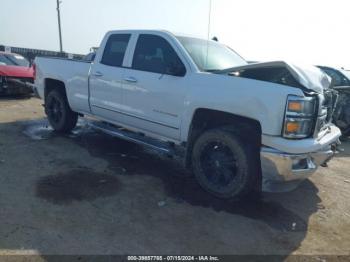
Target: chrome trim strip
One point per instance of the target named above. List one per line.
(126, 114)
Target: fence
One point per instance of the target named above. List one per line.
(30, 53)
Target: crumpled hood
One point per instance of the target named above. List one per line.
(310, 77)
(16, 71)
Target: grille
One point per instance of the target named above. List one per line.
(330, 100)
(15, 85)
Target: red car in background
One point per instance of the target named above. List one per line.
(16, 74)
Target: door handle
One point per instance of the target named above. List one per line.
(98, 74)
(130, 79)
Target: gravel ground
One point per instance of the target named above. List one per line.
(88, 193)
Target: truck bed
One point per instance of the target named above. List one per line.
(73, 73)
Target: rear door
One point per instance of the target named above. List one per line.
(106, 78)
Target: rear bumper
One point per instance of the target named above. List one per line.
(284, 171)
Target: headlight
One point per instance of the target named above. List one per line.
(301, 106)
(300, 117)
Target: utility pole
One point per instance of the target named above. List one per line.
(59, 24)
(209, 23)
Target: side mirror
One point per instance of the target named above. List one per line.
(175, 70)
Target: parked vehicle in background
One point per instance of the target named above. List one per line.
(240, 128)
(341, 83)
(16, 75)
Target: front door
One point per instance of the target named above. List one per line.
(155, 87)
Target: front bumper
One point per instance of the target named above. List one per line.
(15, 86)
(283, 171)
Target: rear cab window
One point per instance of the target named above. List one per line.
(115, 49)
(154, 54)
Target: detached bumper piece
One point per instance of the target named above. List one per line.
(15, 86)
(283, 172)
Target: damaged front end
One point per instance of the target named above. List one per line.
(311, 80)
(308, 138)
(341, 116)
(307, 78)
(277, 75)
(15, 85)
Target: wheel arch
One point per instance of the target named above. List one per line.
(204, 119)
(53, 84)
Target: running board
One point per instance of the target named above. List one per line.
(127, 135)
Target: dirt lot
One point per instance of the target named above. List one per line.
(88, 193)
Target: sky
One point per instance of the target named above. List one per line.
(299, 31)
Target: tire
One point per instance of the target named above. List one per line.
(226, 165)
(61, 117)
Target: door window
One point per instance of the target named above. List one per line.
(115, 49)
(154, 54)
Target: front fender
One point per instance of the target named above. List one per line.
(258, 100)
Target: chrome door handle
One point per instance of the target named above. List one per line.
(130, 79)
(98, 74)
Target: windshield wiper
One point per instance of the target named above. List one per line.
(220, 71)
(211, 70)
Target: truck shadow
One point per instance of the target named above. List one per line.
(179, 183)
(287, 213)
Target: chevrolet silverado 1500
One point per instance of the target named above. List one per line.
(239, 127)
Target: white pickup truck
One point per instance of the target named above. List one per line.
(239, 127)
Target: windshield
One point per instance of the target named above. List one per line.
(211, 55)
(13, 60)
(346, 73)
